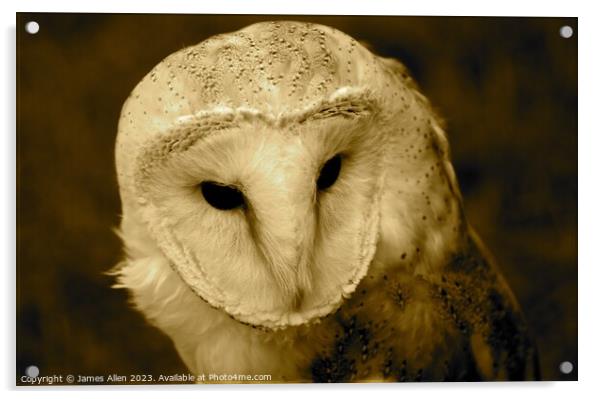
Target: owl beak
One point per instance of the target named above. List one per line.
(286, 244)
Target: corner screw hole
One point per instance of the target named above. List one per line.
(32, 371)
(566, 31)
(32, 27)
(566, 367)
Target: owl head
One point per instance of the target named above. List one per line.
(255, 164)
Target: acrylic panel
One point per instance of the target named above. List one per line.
(295, 199)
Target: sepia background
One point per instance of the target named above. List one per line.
(507, 88)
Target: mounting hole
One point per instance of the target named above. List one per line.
(32, 371)
(32, 27)
(566, 367)
(566, 31)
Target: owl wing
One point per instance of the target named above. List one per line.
(478, 297)
(462, 324)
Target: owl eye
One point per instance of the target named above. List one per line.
(329, 173)
(222, 197)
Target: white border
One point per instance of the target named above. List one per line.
(345, 7)
(590, 198)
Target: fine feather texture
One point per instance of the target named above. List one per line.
(377, 277)
(280, 232)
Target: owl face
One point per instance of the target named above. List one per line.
(254, 162)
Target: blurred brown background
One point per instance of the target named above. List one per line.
(506, 86)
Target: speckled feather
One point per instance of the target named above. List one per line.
(388, 283)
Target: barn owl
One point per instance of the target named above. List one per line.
(289, 208)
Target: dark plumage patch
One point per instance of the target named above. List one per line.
(508, 337)
(468, 299)
(353, 346)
